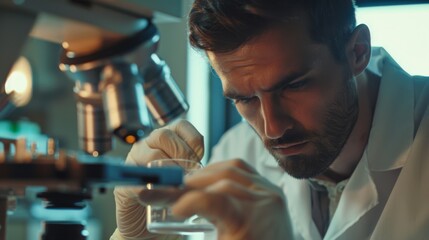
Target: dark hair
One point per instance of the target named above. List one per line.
(225, 25)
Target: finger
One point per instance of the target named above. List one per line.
(220, 209)
(234, 163)
(140, 154)
(247, 176)
(225, 204)
(253, 194)
(225, 211)
(190, 135)
(171, 144)
(233, 189)
(209, 176)
(149, 155)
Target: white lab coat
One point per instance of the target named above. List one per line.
(387, 196)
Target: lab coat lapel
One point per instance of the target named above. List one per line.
(393, 123)
(359, 196)
(297, 193)
(388, 146)
(299, 205)
(405, 214)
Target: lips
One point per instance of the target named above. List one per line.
(290, 149)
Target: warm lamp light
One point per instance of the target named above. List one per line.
(19, 82)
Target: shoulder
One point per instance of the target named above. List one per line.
(421, 87)
(421, 99)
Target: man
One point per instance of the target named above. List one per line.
(346, 138)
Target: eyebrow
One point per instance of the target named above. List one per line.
(286, 80)
(232, 94)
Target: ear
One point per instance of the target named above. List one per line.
(359, 49)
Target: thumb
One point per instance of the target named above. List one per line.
(190, 135)
(179, 140)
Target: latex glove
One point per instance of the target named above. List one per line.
(242, 204)
(179, 140)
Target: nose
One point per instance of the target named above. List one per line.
(276, 118)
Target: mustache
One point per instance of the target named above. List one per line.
(291, 136)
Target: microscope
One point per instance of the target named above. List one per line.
(123, 90)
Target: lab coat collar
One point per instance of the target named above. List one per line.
(388, 144)
(392, 129)
(359, 196)
(360, 190)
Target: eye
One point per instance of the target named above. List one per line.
(297, 84)
(244, 100)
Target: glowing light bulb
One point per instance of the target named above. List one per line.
(65, 45)
(19, 82)
(130, 139)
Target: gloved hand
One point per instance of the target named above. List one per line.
(241, 203)
(179, 140)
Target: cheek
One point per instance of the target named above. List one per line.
(316, 117)
(313, 107)
(309, 110)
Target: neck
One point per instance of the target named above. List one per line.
(346, 162)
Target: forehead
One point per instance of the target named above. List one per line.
(289, 48)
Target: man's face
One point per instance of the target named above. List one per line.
(298, 98)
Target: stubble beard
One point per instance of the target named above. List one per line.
(339, 121)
